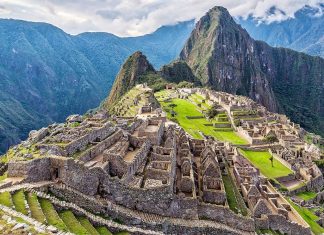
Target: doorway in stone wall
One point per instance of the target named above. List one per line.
(55, 174)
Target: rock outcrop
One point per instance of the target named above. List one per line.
(224, 57)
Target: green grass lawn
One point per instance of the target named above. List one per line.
(5, 199)
(261, 161)
(51, 215)
(72, 223)
(87, 225)
(103, 230)
(18, 199)
(233, 195)
(309, 217)
(306, 195)
(35, 209)
(184, 108)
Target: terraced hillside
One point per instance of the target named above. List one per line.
(133, 100)
(51, 216)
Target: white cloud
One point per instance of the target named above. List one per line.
(137, 17)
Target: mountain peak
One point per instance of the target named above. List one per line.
(223, 56)
(135, 66)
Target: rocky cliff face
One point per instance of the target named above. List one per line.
(224, 57)
(134, 67)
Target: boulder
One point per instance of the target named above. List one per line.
(36, 136)
(74, 118)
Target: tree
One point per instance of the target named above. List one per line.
(271, 159)
(172, 106)
(271, 139)
(212, 112)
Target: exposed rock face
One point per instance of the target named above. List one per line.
(224, 57)
(134, 67)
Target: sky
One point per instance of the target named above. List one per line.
(138, 17)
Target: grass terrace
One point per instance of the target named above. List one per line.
(44, 211)
(103, 230)
(309, 217)
(72, 223)
(193, 121)
(234, 198)
(51, 215)
(306, 195)
(18, 199)
(261, 160)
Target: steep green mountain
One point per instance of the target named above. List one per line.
(303, 33)
(47, 74)
(134, 67)
(224, 57)
(138, 70)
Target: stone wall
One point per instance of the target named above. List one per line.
(225, 215)
(279, 223)
(81, 143)
(34, 170)
(77, 176)
(100, 147)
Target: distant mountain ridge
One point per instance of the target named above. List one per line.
(304, 32)
(47, 74)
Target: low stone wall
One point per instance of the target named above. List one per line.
(225, 215)
(286, 178)
(279, 223)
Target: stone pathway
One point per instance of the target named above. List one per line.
(25, 186)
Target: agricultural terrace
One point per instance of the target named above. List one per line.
(190, 117)
(261, 160)
(309, 217)
(43, 211)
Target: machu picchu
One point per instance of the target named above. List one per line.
(196, 147)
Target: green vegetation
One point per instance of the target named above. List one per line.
(103, 231)
(87, 225)
(36, 211)
(74, 124)
(4, 176)
(306, 195)
(309, 217)
(268, 231)
(51, 215)
(72, 223)
(234, 198)
(261, 160)
(18, 199)
(184, 109)
(122, 233)
(5, 199)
